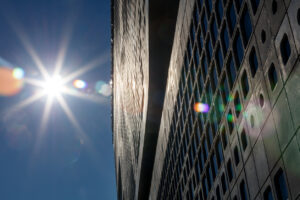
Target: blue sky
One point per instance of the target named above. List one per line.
(57, 165)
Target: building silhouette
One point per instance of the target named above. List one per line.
(228, 123)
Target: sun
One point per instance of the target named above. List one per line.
(53, 86)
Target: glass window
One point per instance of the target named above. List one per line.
(236, 155)
(245, 84)
(231, 18)
(205, 187)
(238, 50)
(253, 62)
(204, 24)
(285, 49)
(230, 121)
(200, 2)
(204, 66)
(209, 6)
(200, 42)
(280, 186)
(209, 49)
(214, 31)
(272, 74)
(219, 59)
(225, 39)
(243, 190)
(238, 4)
(246, 26)
(219, 10)
(189, 49)
(219, 152)
(254, 5)
(231, 71)
(193, 34)
(224, 137)
(218, 193)
(268, 194)
(244, 140)
(225, 90)
(197, 57)
(215, 79)
(196, 16)
(237, 104)
(229, 170)
(224, 183)
(214, 164)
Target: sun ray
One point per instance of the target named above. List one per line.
(75, 93)
(95, 63)
(27, 45)
(26, 102)
(80, 133)
(69, 114)
(46, 114)
(64, 46)
(34, 82)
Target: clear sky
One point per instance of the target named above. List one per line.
(58, 161)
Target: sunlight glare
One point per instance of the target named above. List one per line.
(53, 86)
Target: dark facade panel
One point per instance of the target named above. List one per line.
(241, 58)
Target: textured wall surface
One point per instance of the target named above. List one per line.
(241, 57)
(130, 80)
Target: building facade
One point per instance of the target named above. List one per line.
(142, 38)
(241, 58)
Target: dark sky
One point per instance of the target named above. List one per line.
(56, 165)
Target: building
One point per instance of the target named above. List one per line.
(240, 59)
(142, 39)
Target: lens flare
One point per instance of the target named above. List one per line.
(53, 86)
(230, 118)
(80, 84)
(9, 85)
(18, 73)
(103, 88)
(201, 107)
